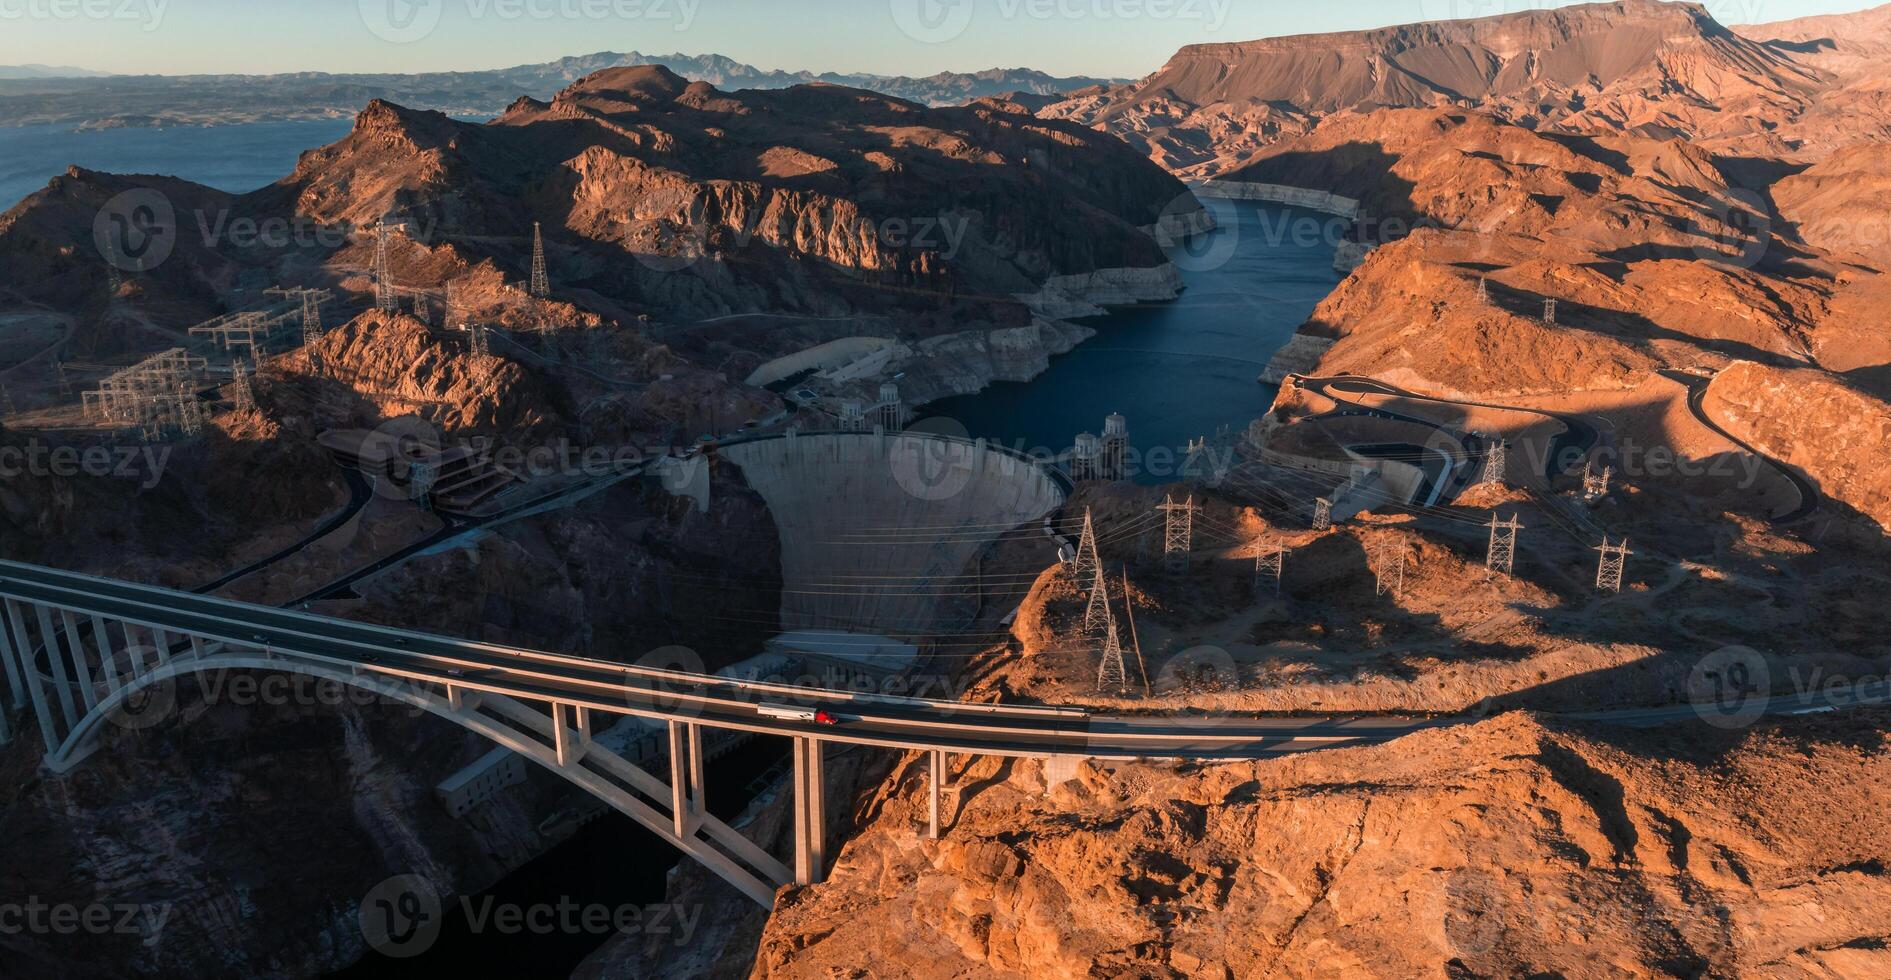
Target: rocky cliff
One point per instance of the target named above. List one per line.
(1813, 422)
(1516, 847)
(676, 199)
(1655, 252)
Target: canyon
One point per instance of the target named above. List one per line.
(1616, 239)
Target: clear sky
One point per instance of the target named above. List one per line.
(1122, 38)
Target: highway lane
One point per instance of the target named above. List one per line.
(1573, 444)
(359, 494)
(1696, 404)
(722, 702)
(867, 719)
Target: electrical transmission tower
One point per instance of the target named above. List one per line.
(1269, 563)
(1483, 289)
(385, 298)
(541, 285)
(1595, 485)
(1110, 672)
(1086, 564)
(1549, 312)
(1387, 579)
(1096, 615)
(1322, 514)
(1179, 536)
(1502, 556)
(311, 319)
(65, 380)
(190, 412)
(480, 345)
(1496, 463)
(1614, 560)
(242, 394)
(423, 311)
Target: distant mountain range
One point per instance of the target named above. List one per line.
(198, 100)
(10, 72)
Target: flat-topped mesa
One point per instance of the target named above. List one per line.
(1587, 48)
(1642, 66)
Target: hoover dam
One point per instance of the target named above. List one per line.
(878, 530)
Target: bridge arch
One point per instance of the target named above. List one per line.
(675, 810)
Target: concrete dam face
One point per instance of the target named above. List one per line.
(877, 531)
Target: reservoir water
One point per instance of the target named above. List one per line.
(1180, 369)
(238, 158)
(1177, 370)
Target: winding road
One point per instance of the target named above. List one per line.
(1696, 404)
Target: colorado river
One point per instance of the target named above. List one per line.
(1177, 370)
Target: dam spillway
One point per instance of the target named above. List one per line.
(877, 531)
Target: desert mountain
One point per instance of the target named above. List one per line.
(27, 97)
(1847, 45)
(672, 198)
(669, 199)
(1642, 66)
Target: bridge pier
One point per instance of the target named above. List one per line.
(16, 686)
(810, 817)
(23, 651)
(935, 763)
(686, 777)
